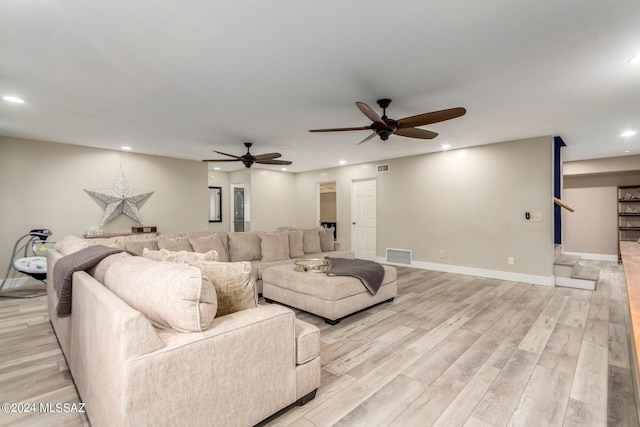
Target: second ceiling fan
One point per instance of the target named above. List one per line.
(385, 127)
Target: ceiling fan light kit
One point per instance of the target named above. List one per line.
(384, 127)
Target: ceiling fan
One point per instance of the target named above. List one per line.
(385, 127)
(249, 159)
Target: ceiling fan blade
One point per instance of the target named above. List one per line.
(267, 156)
(432, 117)
(416, 133)
(274, 162)
(367, 138)
(222, 160)
(230, 155)
(340, 129)
(372, 115)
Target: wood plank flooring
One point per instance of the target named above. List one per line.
(451, 350)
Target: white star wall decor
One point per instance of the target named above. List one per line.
(120, 199)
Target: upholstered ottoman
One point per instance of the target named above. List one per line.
(331, 297)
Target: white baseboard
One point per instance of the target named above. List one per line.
(594, 257)
(480, 272)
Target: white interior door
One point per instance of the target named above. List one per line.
(363, 218)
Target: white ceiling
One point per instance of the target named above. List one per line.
(180, 78)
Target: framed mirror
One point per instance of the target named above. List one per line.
(215, 204)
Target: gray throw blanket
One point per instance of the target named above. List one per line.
(67, 265)
(370, 273)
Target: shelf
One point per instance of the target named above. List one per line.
(628, 214)
(628, 200)
(629, 228)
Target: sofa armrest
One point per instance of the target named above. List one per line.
(248, 356)
(307, 342)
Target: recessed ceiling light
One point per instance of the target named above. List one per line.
(628, 133)
(634, 59)
(217, 168)
(445, 146)
(626, 151)
(343, 162)
(124, 147)
(13, 99)
(283, 169)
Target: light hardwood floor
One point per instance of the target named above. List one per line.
(450, 350)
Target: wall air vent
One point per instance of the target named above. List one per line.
(382, 168)
(399, 256)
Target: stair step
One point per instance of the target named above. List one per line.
(564, 259)
(585, 272)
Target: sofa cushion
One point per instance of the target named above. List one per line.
(179, 256)
(70, 244)
(212, 242)
(326, 239)
(136, 246)
(275, 246)
(170, 295)
(244, 246)
(175, 244)
(100, 270)
(311, 240)
(296, 246)
(234, 283)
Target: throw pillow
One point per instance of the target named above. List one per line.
(296, 247)
(170, 295)
(326, 239)
(213, 242)
(311, 240)
(235, 284)
(180, 256)
(275, 246)
(175, 244)
(244, 246)
(136, 246)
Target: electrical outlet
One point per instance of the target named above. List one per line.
(441, 253)
(511, 260)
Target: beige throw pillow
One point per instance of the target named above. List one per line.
(137, 246)
(296, 247)
(326, 239)
(180, 256)
(175, 244)
(170, 295)
(234, 283)
(311, 240)
(275, 246)
(213, 242)
(244, 246)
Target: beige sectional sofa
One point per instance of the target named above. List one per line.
(145, 346)
(262, 249)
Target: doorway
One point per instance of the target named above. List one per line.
(363, 218)
(327, 206)
(237, 207)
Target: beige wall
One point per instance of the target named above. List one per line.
(469, 203)
(590, 187)
(42, 187)
(272, 199)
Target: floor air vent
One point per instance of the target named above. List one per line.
(382, 168)
(399, 256)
